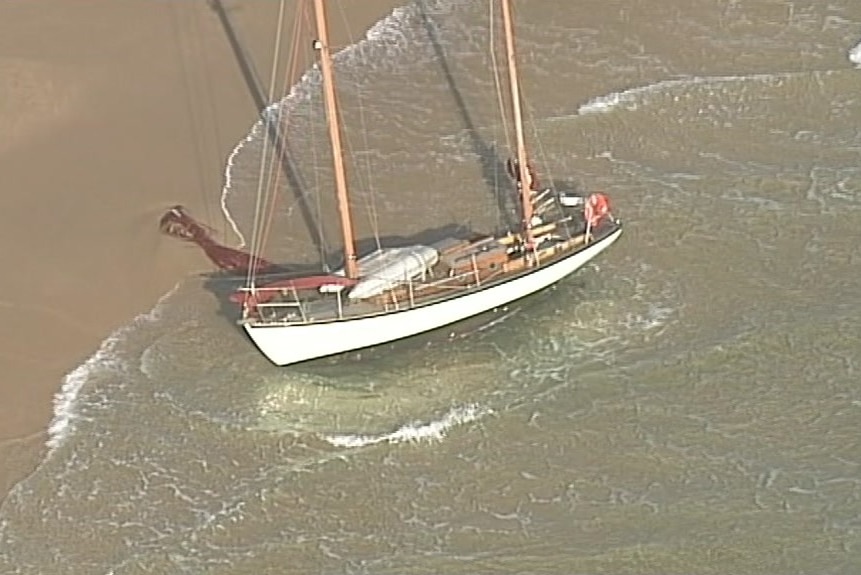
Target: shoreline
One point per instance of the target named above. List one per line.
(114, 113)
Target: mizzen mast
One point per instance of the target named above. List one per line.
(322, 44)
(523, 174)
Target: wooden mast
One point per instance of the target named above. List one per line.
(322, 44)
(522, 172)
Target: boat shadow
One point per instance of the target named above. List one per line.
(222, 284)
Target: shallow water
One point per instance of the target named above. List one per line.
(687, 404)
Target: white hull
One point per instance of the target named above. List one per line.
(288, 344)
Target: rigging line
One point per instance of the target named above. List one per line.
(279, 153)
(216, 132)
(542, 154)
(533, 130)
(533, 124)
(212, 113)
(371, 205)
(496, 80)
(260, 188)
(538, 147)
(500, 206)
(188, 89)
(370, 202)
(318, 117)
(318, 197)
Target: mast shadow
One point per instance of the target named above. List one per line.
(282, 147)
(492, 166)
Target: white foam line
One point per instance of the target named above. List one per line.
(414, 432)
(65, 400)
(385, 31)
(855, 55)
(631, 97)
(228, 181)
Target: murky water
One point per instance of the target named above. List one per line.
(688, 404)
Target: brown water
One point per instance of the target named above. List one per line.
(688, 404)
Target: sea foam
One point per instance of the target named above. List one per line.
(105, 359)
(855, 55)
(632, 98)
(416, 431)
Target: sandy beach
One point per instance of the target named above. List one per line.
(111, 112)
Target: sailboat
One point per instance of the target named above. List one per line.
(397, 292)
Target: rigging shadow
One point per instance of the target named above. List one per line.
(492, 166)
(282, 147)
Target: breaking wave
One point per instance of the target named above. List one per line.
(855, 55)
(632, 98)
(415, 432)
(104, 360)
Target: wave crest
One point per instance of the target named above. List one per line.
(415, 432)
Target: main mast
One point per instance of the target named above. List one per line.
(523, 175)
(322, 44)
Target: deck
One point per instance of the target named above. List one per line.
(463, 266)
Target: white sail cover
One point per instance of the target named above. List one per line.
(388, 267)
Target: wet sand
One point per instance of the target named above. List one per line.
(110, 113)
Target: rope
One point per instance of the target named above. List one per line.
(318, 197)
(529, 111)
(501, 218)
(193, 111)
(496, 81)
(260, 199)
(279, 154)
(370, 201)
